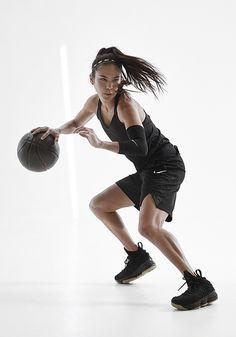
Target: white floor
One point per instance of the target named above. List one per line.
(109, 309)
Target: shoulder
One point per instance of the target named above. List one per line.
(87, 112)
(126, 105)
(126, 102)
(130, 110)
(91, 103)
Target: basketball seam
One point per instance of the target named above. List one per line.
(28, 152)
(56, 154)
(42, 161)
(26, 142)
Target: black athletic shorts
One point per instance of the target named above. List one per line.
(162, 181)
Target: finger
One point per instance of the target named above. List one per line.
(83, 134)
(76, 131)
(36, 130)
(39, 129)
(45, 135)
(56, 137)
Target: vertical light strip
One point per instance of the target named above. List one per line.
(69, 138)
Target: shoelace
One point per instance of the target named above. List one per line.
(198, 274)
(140, 245)
(182, 284)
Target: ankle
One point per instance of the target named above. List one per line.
(189, 271)
(131, 248)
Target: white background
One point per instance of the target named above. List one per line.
(193, 44)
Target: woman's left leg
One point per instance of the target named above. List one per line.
(151, 221)
(200, 291)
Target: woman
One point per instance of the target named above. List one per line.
(160, 168)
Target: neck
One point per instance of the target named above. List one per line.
(108, 106)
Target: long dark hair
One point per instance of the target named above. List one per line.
(135, 71)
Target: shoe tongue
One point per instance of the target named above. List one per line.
(189, 277)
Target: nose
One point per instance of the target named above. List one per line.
(109, 85)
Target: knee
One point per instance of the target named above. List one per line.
(149, 230)
(99, 203)
(145, 229)
(94, 204)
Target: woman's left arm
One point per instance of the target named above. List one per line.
(136, 145)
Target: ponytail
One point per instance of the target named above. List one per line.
(135, 70)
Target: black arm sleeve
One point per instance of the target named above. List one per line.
(137, 144)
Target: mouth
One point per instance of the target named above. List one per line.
(107, 94)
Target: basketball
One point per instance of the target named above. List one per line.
(37, 155)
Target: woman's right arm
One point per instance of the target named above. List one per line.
(83, 116)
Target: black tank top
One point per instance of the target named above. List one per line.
(155, 140)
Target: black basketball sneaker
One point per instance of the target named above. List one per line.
(200, 292)
(137, 264)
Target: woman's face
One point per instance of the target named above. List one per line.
(107, 81)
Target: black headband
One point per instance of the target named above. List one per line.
(104, 61)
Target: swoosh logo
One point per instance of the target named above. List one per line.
(158, 172)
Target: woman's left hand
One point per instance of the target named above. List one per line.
(90, 135)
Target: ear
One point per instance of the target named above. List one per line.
(91, 79)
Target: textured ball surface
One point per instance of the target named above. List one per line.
(37, 155)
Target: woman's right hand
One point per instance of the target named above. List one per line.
(47, 131)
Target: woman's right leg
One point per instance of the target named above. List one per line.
(104, 206)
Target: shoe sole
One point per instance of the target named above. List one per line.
(135, 277)
(201, 303)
